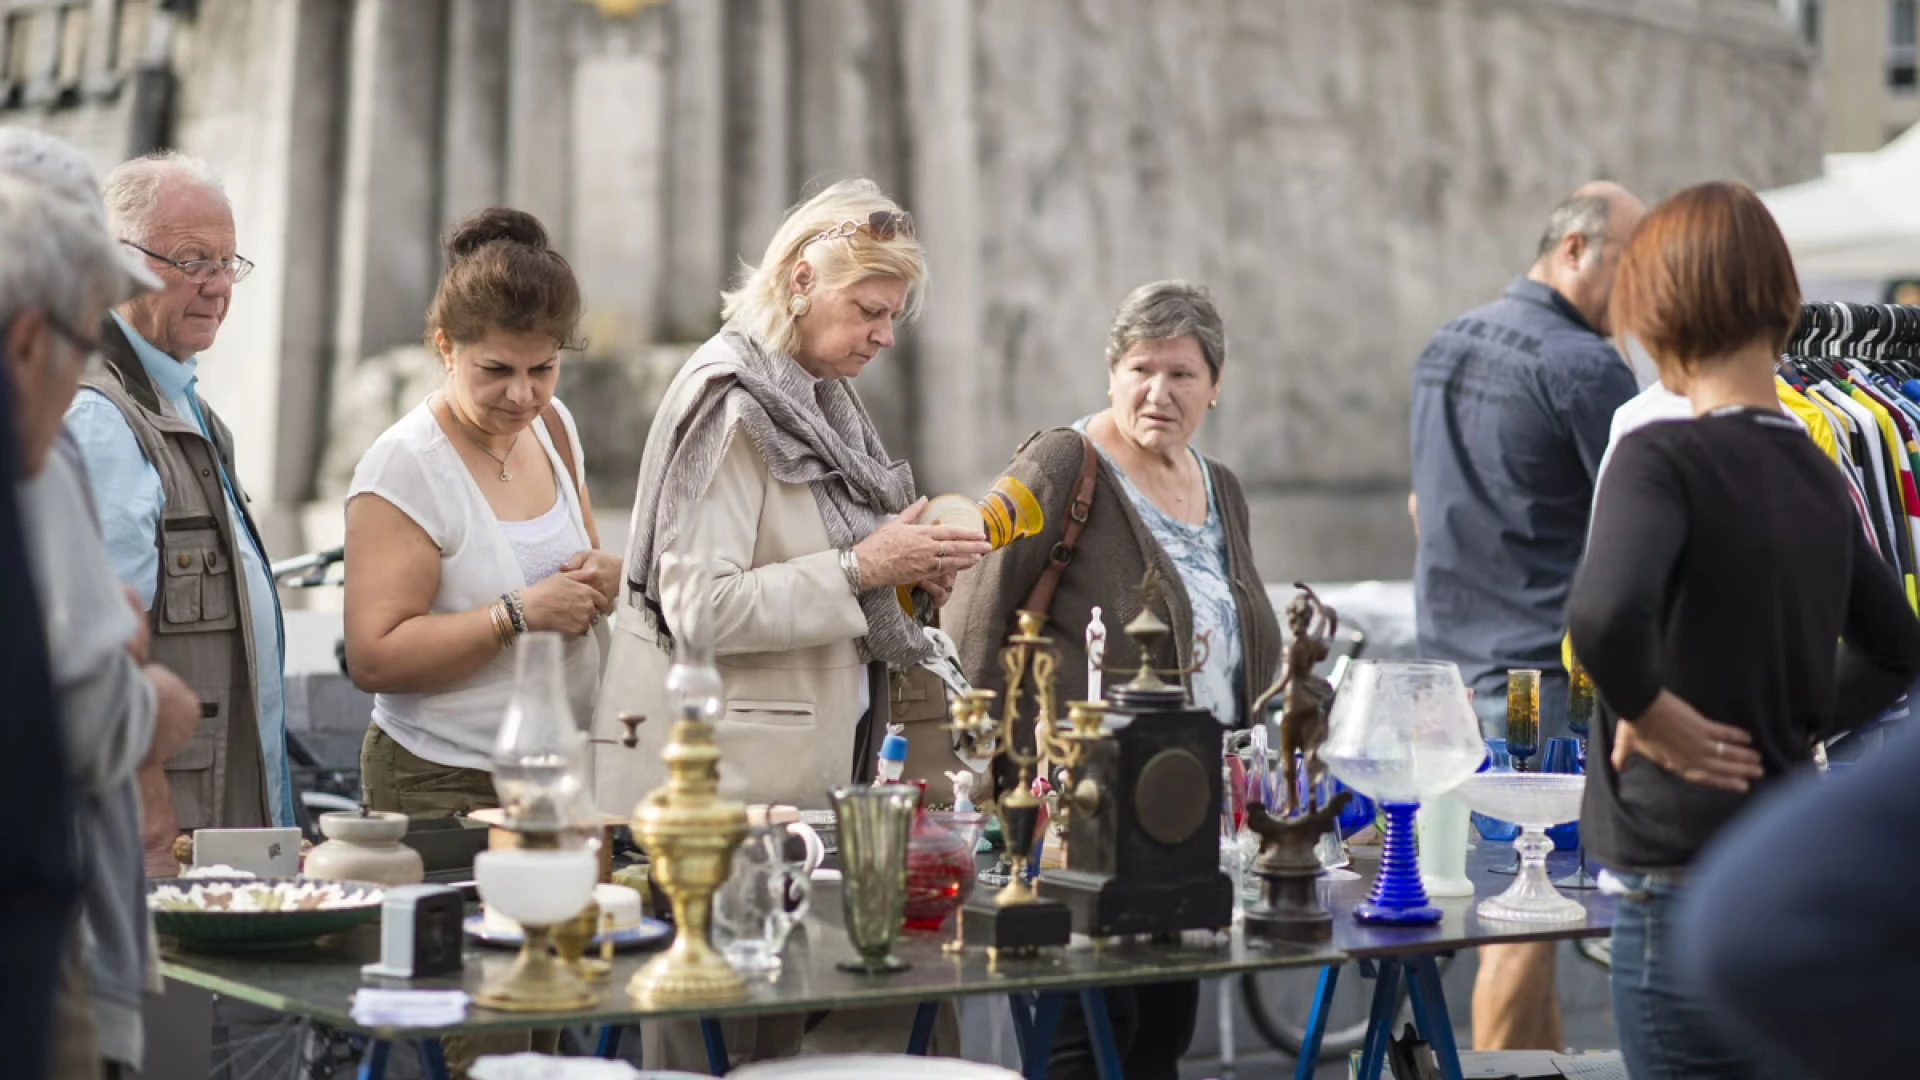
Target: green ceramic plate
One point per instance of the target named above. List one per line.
(260, 929)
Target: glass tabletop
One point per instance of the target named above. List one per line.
(318, 982)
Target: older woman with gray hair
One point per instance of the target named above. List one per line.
(1155, 502)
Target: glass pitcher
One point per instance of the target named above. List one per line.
(764, 898)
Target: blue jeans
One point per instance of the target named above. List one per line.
(1668, 1031)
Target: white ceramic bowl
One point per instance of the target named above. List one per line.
(872, 1067)
(536, 888)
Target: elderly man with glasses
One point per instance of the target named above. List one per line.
(174, 514)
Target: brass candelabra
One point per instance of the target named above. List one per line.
(1029, 653)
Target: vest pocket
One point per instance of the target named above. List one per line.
(197, 587)
(191, 770)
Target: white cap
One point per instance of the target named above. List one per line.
(62, 170)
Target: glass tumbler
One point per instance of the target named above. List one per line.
(875, 823)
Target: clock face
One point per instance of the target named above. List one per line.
(1171, 799)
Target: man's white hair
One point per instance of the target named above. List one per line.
(135, 190)
(58, 260)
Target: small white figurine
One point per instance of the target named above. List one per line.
(962, 790)
(1096, 653)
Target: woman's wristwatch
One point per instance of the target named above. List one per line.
(850, 566)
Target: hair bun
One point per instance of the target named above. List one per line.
(492, 224)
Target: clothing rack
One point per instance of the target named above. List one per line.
(1851, 374)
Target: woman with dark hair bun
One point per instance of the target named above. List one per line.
(469, 524)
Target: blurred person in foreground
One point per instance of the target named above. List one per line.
(39, 881)
(1155, 502)
(1511, 406)
(122, 716)
(1797, 923)
(1708, 605)
(763, 459)
(161, 466)
(118, 712)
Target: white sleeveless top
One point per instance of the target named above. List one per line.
(414, 467)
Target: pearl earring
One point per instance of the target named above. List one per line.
(1214, 404)
(799, 305)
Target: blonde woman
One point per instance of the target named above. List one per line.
(763, 451)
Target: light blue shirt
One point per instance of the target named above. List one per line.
(127, 489)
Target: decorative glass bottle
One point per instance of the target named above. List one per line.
(940, 869)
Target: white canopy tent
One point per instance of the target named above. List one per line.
(1858, 223)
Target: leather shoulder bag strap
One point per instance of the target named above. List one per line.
(563, 445)
(1041, 598)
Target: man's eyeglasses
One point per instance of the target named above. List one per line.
(201, 271)
(882, 224)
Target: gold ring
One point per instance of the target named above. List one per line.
(1719, 748)
(939, 564)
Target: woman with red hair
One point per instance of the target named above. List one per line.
(1724, 562)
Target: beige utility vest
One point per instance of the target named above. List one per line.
(202, 625)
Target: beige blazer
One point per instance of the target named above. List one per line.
(785, 629)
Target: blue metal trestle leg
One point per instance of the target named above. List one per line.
(1430, 1013)
(609, 1045)
(374, 1065)
(716, 1045)
(1316, 1032)
(923, 1018)
(1386, 1002)
(1106, 1052)
(433, 1059)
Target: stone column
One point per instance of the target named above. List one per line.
(761, 179)
(474, 138)
(539, 96)
(266, 116)
(956, 449)
(618, 180)
(697, 171)
(389, 250)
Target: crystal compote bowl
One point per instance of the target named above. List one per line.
(539, 889)
(1400, 732)
(1534, 801)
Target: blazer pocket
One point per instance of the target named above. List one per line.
(764, 713)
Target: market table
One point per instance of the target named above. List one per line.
(1389, 954)
(317, 983)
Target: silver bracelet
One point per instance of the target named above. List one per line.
(850, 566)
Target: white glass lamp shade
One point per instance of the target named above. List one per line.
(1402, 731)
(539, 887)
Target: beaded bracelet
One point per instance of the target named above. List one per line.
(502, 624)
(518, 613)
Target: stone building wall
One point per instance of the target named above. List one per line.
(1344, 174)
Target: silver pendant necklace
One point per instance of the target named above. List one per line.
(501, 459)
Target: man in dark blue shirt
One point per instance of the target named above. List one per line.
(1511, 406)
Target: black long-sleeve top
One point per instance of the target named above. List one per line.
(1724, 563)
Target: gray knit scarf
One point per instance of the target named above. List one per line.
(809, 431)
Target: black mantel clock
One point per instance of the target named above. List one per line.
(1143, 832)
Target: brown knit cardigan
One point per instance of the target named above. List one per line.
(1108, 563)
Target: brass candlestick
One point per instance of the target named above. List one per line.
(1017, 916)
(688, 830)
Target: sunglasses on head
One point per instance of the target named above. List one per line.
(882, 224)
